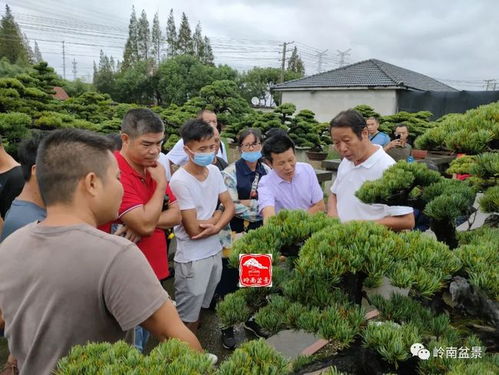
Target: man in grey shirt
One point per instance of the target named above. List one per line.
(28, 206)
(81, 284)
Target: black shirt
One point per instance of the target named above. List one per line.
(11, 184)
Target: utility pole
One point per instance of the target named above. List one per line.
(63, 60)
(319, 55)
(74, 70)
(342, 55)
(283, 62)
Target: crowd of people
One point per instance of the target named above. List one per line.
(84, 249)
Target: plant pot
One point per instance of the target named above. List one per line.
(419, 154)
(316, 155)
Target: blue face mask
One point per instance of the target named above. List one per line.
(203, 159)
(251, 156)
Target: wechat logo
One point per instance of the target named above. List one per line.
(418, 350)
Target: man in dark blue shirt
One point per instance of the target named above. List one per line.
(28, 206)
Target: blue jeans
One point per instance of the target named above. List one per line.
(141, 338)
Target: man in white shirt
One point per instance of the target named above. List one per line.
(179, 157)
(362, 161)
(198, 186)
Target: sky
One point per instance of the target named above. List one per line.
(455, 41)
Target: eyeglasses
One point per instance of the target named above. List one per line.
(247, 146)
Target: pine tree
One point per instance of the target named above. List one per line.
(208, 52)
(29, 50)
(96, 73)
(198, 43)
(130, 55)
(143, 37)
(12, 42)
(185, 46)
(295, 63)
(37, 53)
(171, 36)
(156, 40)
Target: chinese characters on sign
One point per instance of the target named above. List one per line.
(255, 270)
(420, 351)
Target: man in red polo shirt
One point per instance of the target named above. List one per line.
(146, 192)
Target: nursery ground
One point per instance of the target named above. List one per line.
(209, 333)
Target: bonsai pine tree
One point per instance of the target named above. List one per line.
(413, 184)
(473, 132)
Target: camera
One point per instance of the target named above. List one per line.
(397, 136)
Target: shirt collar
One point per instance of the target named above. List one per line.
(247, 171)
(125, 166)
(371, 160)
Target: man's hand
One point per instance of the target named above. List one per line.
(208, 230)
(392, 144)
(158, 174)
(128, 234)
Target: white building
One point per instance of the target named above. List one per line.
(372, 82)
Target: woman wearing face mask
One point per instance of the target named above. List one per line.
(241, 179)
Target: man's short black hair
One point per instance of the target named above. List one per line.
(200, 114)
(402, 126)
(196, 130)
(349, 119)
(274, 131)
(140, 121)
(373, 118)
(26, 153)
(64, 157)
(116, 139)
(277, 144)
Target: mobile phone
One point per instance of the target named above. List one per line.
(397, 136)
(166, 201)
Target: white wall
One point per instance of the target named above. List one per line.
(327, 104)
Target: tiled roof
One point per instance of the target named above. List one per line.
(60, 93)
(368, 73)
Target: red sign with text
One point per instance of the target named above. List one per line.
(255, 270)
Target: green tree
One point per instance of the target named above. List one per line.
(208, 57)
(77, 87)
(184, 42)
(171, 36)
(181, 77)
(143, 37)
(295, 63)
(131, 53)
(37, 54)
(156, 40)
(257, 82)
(104, 75)
(135, 84)
(198, 43)
(10, 70)
(46, 76)
(12, 41)
(224, 99)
